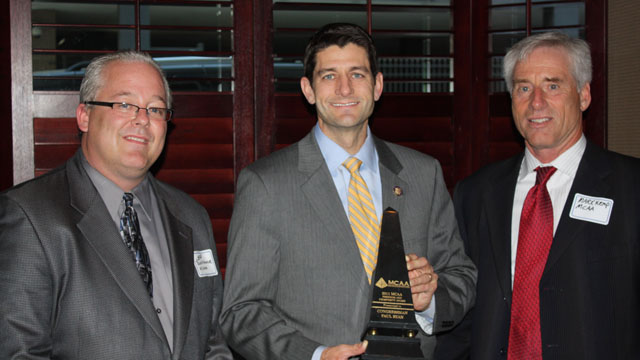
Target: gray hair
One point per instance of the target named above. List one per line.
(577, 49)
(93, 79)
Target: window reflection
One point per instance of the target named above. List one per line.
(186, 40)
(415, 44)
(361, 2)
(315, 18)
(508, 25)
(507, 18)
(504, 2)
(192, 42)
(183, 15)
(188, 73)
(79, 38)
(551, 15)
(412, 2)
(500, 42)
(57, 12)
(413, 38)
(422, 19)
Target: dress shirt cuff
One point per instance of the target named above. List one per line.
(425, 318)
(318, 353)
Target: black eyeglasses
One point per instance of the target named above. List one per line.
(154, 113)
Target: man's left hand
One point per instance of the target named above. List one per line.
(423, 280)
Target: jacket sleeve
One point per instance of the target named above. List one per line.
(457, 275)
(252, 324)
(216, 345)
(455, 343)
(26, 288)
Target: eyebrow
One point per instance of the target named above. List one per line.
(553, 79)
(353, 68)
(127, 93)
(546, 79)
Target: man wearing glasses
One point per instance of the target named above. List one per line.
(98, 259)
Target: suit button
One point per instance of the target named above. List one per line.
(503, 351)
(158, 310)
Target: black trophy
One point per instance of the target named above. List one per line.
(392, 327)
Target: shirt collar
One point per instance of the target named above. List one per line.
(334, 155)
(111, 193)
(566, 163)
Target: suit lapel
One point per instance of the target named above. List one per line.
(100, 232)
(589, 180)
(180, 242)
(390, 169)
(321, 193)
(497, 204)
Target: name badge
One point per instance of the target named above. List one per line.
(205, 263)
(593, 209)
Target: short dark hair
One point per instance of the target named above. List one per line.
(340, 34)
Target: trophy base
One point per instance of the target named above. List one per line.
(383, 347)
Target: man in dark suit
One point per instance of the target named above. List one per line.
(99, 260)
(298, 276)
(581, 280)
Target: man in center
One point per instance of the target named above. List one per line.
(304, 233)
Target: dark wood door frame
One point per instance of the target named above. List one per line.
(595, 122)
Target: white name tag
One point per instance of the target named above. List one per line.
(204, 262)
(593, 209)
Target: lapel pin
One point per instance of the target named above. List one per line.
(397, 190)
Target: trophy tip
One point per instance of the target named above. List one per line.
(390, 210)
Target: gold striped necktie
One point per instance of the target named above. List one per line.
(362, 216)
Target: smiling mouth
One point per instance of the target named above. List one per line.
(345, 104)
(136, 139)
(540, 120)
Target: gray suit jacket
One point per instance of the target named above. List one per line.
(70, 289)
(294, 275)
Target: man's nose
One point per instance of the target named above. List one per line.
(345, 87)
(142, 117)
(538, 100)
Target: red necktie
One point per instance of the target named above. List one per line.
(534, 241)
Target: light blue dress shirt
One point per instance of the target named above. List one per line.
(334, 155)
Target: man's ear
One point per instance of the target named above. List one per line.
(585, 97)
(378, 86)
(307, 90)
(82, 117)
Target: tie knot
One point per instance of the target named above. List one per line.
(544, 173)
(352, 164)
(128, 199)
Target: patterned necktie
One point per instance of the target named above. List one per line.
(534, 241)
(362, 216)
(130, 232)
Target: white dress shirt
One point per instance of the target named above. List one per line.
(558, 186)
